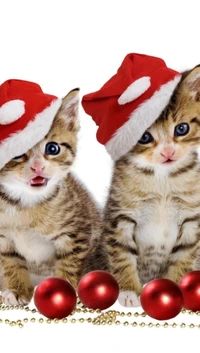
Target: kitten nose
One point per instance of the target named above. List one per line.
(167, 153)
(37, 167)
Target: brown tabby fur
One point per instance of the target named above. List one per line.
(48, 237)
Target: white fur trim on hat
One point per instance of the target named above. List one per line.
(140, 120)
(135, 90)
(20, 142)
(11, 111)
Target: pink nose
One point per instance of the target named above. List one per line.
(167, 154)
(37, 167)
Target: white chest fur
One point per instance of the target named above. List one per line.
(33, 246)
(157, 232)
(27, 241)
(157, 225)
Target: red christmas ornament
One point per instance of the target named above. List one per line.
(98, 290)
(190, 287)
(55, 298)
(161, 299)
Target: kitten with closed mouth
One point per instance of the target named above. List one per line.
(46, 215)
(155, 223)
(152, 215)
(162, 147)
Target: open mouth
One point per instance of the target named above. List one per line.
(38, 181)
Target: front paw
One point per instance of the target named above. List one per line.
(12, 298)
(128, 299)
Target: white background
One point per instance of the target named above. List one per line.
(81, 43)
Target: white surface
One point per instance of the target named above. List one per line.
(67, 44)
(84, 337)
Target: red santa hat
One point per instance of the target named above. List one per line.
(26, 115)
(128, 104)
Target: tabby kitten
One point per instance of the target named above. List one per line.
(152, 216)
(46, 215)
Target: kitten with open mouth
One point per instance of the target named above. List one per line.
(47, 217)
(38, 181)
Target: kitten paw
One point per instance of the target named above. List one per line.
(128, 299)
(9, 298)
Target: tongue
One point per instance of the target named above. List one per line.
(37, 180)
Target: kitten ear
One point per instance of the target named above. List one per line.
(191, 84)
(69, 109)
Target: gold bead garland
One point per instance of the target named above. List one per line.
(110, 317)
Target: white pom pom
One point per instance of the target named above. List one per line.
(135, 90)
(11, 111)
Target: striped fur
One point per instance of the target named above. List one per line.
(152, 216)
(45, 232)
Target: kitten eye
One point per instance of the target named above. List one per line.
(146, 138)
(181, 129)
(21, 155)
(52, 148)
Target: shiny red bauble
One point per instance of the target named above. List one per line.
(55, 298)
(98, 290)
(190, 287)
(161, 299)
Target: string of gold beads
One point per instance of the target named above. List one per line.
(110, 317)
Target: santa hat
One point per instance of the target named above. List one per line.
(26, 115)
(126, 106)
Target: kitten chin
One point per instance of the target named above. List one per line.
(30, 196)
